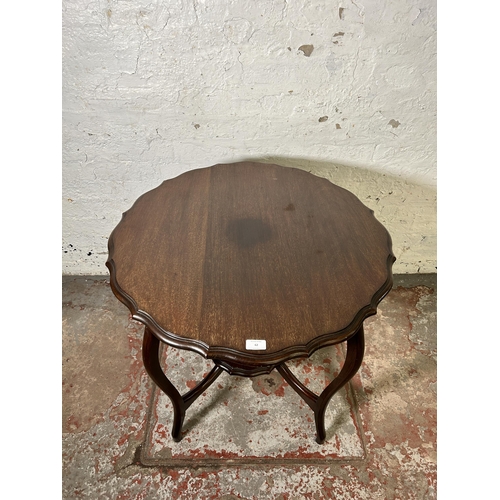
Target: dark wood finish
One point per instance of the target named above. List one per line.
(318, 404)
(180, 403)
(250, 251)
(243, 251)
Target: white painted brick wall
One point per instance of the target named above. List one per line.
(344, 89)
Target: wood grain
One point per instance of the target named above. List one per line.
(250, 251)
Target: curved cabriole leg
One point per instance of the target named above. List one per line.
(150, 357)
(354, 357)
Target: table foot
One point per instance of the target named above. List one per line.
(354, 357)
(180, 403)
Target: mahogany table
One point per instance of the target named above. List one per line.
(250, 265)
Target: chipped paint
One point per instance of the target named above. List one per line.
(152, 89)
(243, 438)
(307, 50)
(246, 411)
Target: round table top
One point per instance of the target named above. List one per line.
(250, 251)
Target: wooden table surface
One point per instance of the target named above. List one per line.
(247, 250)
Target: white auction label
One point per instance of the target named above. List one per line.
(256, 345)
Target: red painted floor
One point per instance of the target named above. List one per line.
(248, 438)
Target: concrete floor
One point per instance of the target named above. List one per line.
(248, 438)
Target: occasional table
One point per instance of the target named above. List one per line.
(250, 265)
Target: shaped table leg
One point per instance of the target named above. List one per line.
(354, 357)
(180, 403)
